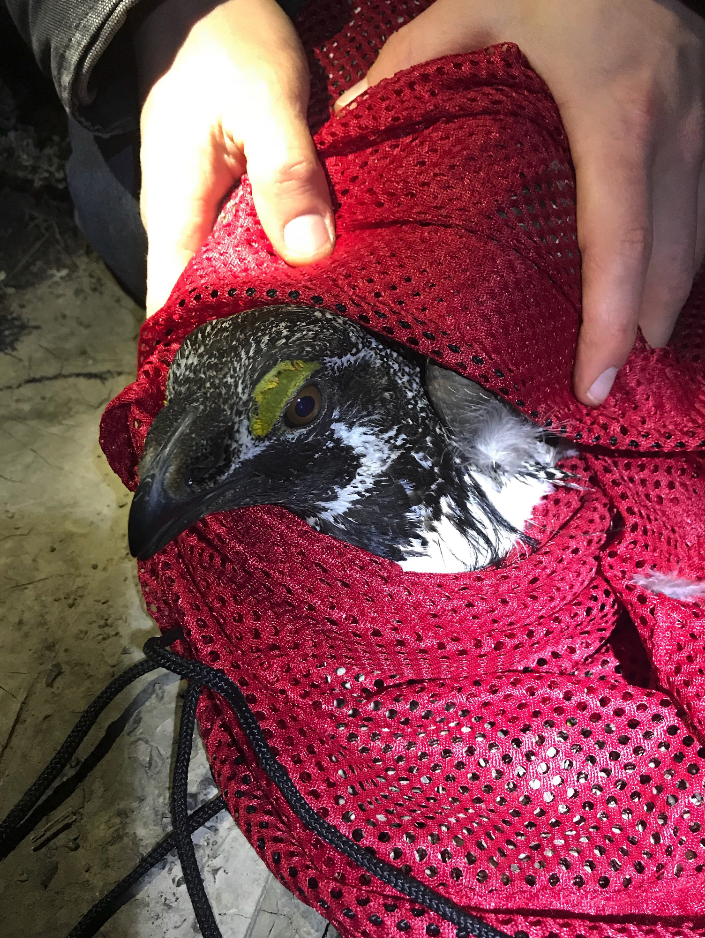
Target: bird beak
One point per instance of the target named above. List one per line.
(158, 515)
(165, 504)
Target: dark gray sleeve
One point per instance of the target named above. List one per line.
(89, 49)
(68, 38)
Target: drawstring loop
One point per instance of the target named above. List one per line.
(467, 925)
(200, 676)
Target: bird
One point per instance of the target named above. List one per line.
(368, 442)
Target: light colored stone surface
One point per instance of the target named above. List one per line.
(72, 617)
(281, 915)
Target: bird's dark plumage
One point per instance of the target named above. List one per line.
(299, 407)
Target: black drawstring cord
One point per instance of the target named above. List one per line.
(68, 749)
(105, 908)
(179, 817)
(64, 789)
(28, 801)
(201, 674)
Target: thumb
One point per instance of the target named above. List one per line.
(183, 183)
(447, 27)
(290, 188)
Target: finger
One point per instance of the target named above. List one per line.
(700, 235)
(612, 157)
(184, 179)
(350, 95)
(447, 27)
(290, 188)
(672, 266)
(414, 43)
(674, 255)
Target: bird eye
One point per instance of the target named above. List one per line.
(305, 407)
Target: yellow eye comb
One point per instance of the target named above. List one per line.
(274, 391)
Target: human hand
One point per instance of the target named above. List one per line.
(628, 77)
(233, 100)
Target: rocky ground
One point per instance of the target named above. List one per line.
(71, 612)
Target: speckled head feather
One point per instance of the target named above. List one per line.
(375, 468)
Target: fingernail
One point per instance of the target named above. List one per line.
(602, 386)
(351, 93)
(306, 235)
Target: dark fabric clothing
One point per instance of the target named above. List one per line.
(69, 37)
(88, 48)
(85, 47)
(103, 179)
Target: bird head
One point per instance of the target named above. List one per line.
(281, 405)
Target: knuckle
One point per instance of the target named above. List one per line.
(293, 175)
(633, 242)
(637, 116)
(675, 283)
(395, 43)
(397, 53)
(691, 137)
(630, 115)
(607, 339)
(620, 332)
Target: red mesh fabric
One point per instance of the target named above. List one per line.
(528, 739)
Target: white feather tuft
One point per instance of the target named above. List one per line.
(670, 584)
(504, 442)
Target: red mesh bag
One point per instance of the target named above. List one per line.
(527, 739)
